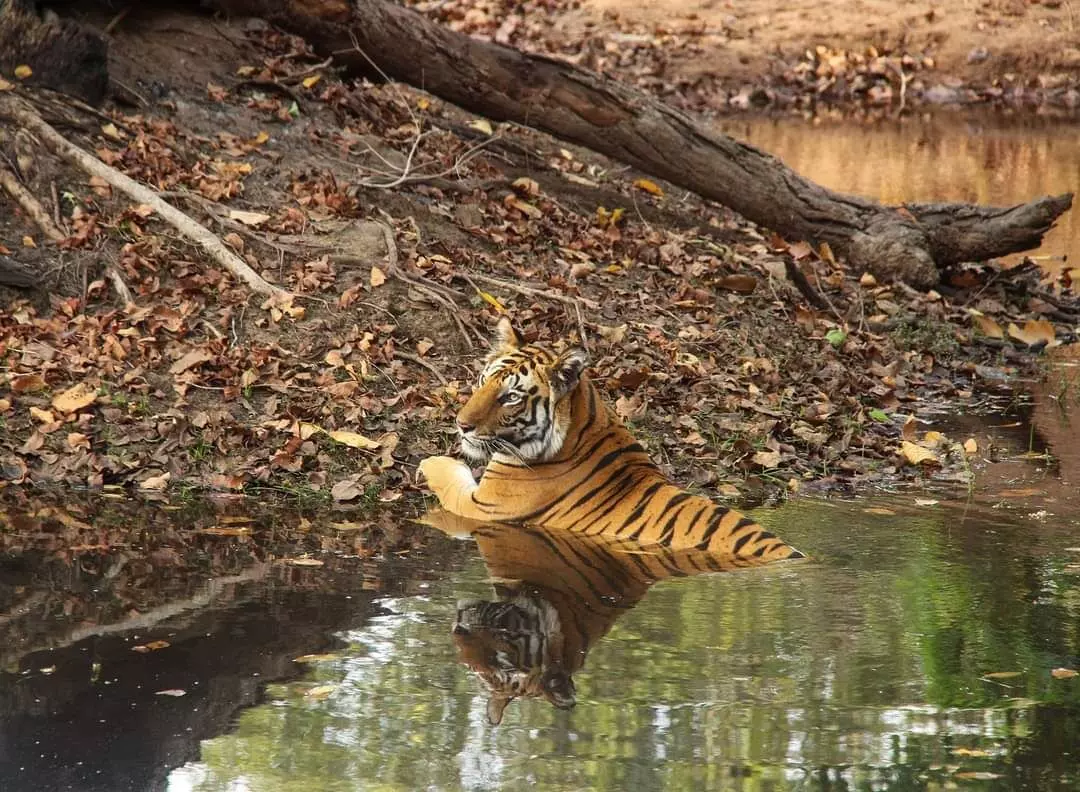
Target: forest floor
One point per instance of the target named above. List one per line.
(406, 228)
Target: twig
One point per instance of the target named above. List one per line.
(796, 276)
(24, 114)
(29, 204)
(116, 20)
(422, 363)
(528, 291)
(121, 288)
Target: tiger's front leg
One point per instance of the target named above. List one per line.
(453, 484)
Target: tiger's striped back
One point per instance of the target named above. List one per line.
(557, 456)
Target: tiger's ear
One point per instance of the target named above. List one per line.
(506, 337)
(566, 371)
(496, 707)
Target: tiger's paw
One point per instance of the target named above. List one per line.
(448, 478)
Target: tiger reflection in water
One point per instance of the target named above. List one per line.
(558, 593)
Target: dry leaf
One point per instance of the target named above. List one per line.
(767, 459)
(526, 185)
(648, 186)
(378, 277)
(615, 334)
(1035, 331)
(917, 455)
(879, 510)
(74, 399)
(346, 490)
(523, 206)
(987, 326)
(248, 218)
(310, 81)
(744, 284)
(908, 430)
(353, 440)
(482, 125)
(76, 440)
(27, 383)
(28, 241)
(190, 360)
(41, 416)
(970, 446)
(1064, 673)
(492, 301)
(110, 131)
(153, 646)
(156, 482)
(23, 71)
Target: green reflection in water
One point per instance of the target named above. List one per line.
(864, 669)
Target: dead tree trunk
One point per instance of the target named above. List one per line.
(910, 243)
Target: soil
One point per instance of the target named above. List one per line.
(749, 366)
(859, 54)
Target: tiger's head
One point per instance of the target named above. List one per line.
(520, 410)
(513, 646)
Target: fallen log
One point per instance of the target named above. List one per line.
(910, 243)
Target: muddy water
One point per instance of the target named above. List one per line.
(914, 652)
(940, 158)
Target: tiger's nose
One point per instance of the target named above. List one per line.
(464, 427)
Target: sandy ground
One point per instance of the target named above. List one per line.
(976, 40)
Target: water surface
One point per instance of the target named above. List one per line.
(944, 157)
(913, 652)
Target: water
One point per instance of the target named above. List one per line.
(945, 157)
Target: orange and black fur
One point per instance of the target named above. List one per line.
(556, 456)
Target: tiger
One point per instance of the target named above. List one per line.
(558, 593)
(557, 456)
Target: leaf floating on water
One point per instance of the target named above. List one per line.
(153, 646)
(1002, 675)
(978, 775)
(319, 692)
(1064, 673)
(917, 455)
(970, 752)
(174, 692)
(316, 658)
(303, 561)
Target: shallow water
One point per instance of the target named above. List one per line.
(944, 157)
(914, 652)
